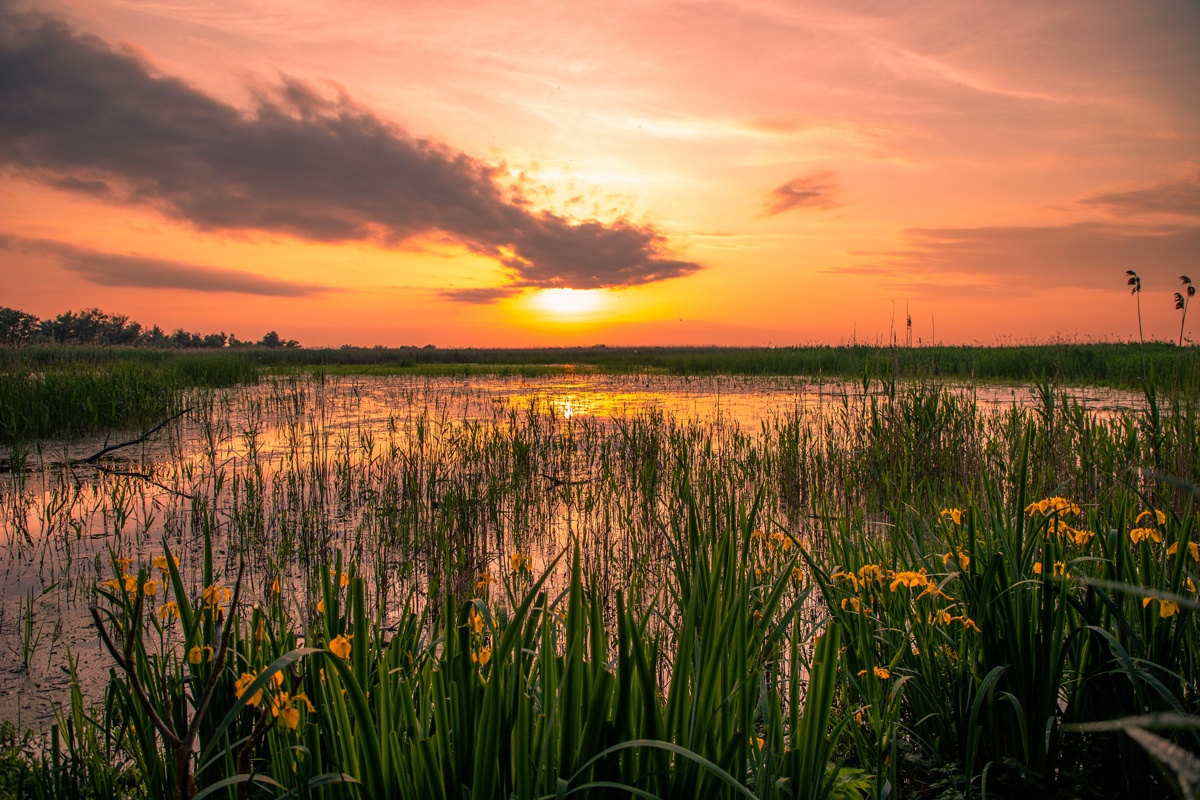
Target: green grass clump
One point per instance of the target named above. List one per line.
(42, 399)
(898, 592)
(985, 633)
(513, 692)
(80, 401)
(1126, 365)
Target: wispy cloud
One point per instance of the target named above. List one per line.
(83, 116)
(115, 269)
(480, 295)
(1176, 195)
(1016, 261)
(910, 63)
(816, 190)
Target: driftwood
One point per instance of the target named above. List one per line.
(139, 440)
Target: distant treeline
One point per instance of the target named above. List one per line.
(96, 327)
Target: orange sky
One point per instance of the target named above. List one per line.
(698, 173)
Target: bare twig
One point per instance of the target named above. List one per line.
(185, 786)
(218, 661)
(134, 682)
(109, 448)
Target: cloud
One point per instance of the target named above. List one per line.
(113, 269)
(83, 115)
(818, 190)
(1017, 261)
(70, 184)
(1179, 195)
(480, 294)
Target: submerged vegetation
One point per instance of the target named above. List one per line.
(349, 587)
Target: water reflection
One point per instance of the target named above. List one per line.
(418, 481)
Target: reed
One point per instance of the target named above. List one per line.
(864, 597)
(511, 692)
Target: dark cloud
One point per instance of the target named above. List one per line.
(69, 184)
(297, 163)
(113, 269)
(479, 295)
(818, 190)
(1020, 260)
(1180, 195)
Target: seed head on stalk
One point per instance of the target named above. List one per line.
(1181, 302)
(1136, 282)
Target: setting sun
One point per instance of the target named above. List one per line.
(570, 304)
(515, 308)
(734, 174)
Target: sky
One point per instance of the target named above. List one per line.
(524, 173)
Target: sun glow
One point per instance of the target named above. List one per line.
(570, 304)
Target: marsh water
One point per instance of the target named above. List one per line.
(420, 483)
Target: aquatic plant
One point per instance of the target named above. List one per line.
(1136, 282)
(1181, 303)
(890, 586)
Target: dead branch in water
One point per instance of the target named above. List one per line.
(139, 440)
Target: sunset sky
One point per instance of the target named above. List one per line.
(536, 173)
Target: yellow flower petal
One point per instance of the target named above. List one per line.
(289, 717)
(340, 646)
(242, 684)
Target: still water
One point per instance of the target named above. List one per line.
(402, 476)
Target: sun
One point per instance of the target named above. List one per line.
(570, 304)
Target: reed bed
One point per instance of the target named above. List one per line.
(70, 396)
(894, 591)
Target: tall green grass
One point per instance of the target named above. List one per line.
(44, 398)
(516, 691)
(1127, 365)
(994, 633)
(704, 601)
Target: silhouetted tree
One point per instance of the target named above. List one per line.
(73, 328)
(182, 338)
(1136, 282)
(118, 329)
(95, 327)
(155, 337)
(17, 327)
